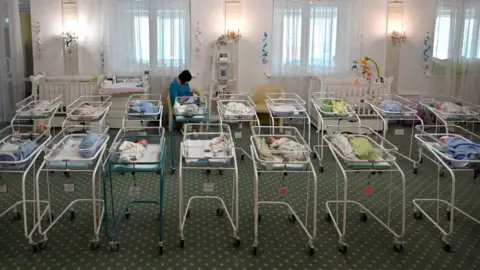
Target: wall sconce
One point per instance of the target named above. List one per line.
(69, 41)
(398, 37)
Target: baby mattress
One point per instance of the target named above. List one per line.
(199, 116)
(196, 148)
(66, 154)
(287, 110)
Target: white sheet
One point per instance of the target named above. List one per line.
(196, 148)
(151, 154)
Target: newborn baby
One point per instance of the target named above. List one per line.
(132, 151)
(291, 150)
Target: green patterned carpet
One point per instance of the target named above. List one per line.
(282, 245)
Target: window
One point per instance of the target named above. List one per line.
(307, 39)
(457, 27)
(147, 35)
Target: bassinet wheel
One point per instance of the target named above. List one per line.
(363, 217)
(67, 174)
(415, 170)
(236, 242)
(208, 171)
(43, 244)
(254, 251)
(94, 245)
(114, 247)
(16, 216)
(34, 248)
(321, 169)
(220, 172)
(160, 250)
(417, 215)
(172, 171)
(311, 252)
(127, 216)
(242, 157)
(398, 247)
(72, 215)
(188, 213)
(328, 218)
(342, 248)
(292, 218)
(442, 174)
(447, 215)
(446, 247)
(220, 212)
(182, 243)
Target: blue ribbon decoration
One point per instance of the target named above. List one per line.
(265, 48)
(426, 55)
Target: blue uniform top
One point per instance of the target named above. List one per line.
(178, 90)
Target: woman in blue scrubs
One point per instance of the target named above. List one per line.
(180, 86)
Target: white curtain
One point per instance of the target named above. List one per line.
(456, 48)
(12, 73)
(142, 35)
(315, 38)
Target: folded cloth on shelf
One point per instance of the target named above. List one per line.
(17, 149)
(89, 145)
(363, 149)
(143, 107)
(131, 151)
(343, 145)
(288, 149)
(86, 110)
(390, 106)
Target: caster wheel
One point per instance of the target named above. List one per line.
(242, 157)
(321, 169)
(259, 173)
(292, 218)
(34, 248)
(442, 174)
(363, 217)
(43, 245)
(51, 218)
(220, 212)
(16, 216)
(172, 171)
(285, 174)
(122, 173)
(114, 247)
(415, 170)
(398, 247)
(421, 160)
(160, 250)
(236, 242)
(447, 215)
(127, 216)
(67, 174)
(72, 215)
(259, 218)
(311, 252)
(328, 218)
(446, 247)
(182, 243)
(208, 171)
(94, 245)
(220, 172)
(188, 213)
(255, 251)
(417, 215)
(342, 249)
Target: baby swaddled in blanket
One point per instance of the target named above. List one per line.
(459, 149)
(132, 151)
(278, 148)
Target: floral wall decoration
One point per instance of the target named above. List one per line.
(228, 38)
(198, 40)
(265, 48)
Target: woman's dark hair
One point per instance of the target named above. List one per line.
(185, 76)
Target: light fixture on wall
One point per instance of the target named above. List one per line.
(70, 39)
(398, 37)
(232, 16)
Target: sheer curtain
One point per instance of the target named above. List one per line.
(456, 50)
(144, 35)
(12, 73)
(313, 38)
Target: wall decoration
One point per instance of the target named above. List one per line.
(265, 48)
(198, 45)
(69, 41)
(37, 44)
(228, 38)
(426, 54)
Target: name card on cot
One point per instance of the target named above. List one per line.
(208, 187)
(134, 191)
(238, 135)
(69, 188)
(240, 125)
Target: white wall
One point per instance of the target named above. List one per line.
(256, 19)
(419, 17)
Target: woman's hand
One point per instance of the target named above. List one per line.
(195, 92)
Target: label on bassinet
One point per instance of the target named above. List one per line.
(134, 191)
(3, 188)
(288, 132)
(208, 187)
(238, 135)
(240, 125)
(69, 188)
(399, 131)
(283, 191)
